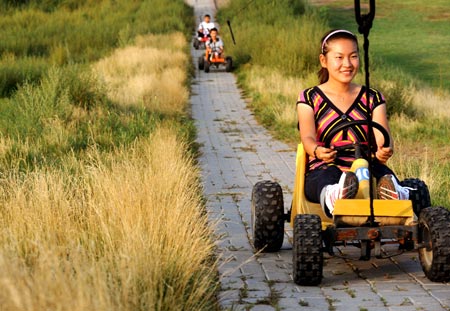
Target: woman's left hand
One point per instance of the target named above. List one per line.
(384, 153)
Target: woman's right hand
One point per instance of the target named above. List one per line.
(327, 155)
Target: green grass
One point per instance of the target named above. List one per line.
(274, 34)
(46, 50)
(411, 34)
(45, 33)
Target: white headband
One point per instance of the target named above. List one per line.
(332, 34)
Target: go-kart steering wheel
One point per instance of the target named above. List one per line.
(333, 132)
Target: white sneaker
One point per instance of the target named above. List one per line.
(346, 188)
(389, 189)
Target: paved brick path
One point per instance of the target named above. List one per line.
(236, 153)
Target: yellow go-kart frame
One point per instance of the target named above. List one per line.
(353, 212)
(395, 222)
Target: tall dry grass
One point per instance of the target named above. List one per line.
(150, 73)
(110, 229)
(126, 233)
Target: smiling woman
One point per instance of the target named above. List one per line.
(335, 102)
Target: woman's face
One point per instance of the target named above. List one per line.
(342, 60)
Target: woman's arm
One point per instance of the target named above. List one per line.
(308, 135)
(379, 115)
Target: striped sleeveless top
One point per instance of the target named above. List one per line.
(328, 116)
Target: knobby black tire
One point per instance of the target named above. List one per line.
(267, 216)
(201, 63)
(229, 64)
(307, 250)
(207, 65)
(434, 232)
(420, 197)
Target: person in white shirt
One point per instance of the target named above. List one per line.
(215, 45)
(205, 26)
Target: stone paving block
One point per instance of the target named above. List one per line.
(257, 285)
(257, 296)
(308, 303)
(231, 305)
(230, 270)
(358, 308)
(263, 308)
(285, 290)
(277, 276)
(231, 282)
(228, 295)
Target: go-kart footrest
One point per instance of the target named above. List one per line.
(374, 233)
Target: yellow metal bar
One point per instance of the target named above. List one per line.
(360, 207)
(300, 204)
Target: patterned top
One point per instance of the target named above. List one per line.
(215, 46)
(328, 116)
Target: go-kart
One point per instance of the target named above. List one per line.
(364, 222)
(412, 224)
(208, 60)
(200, 42)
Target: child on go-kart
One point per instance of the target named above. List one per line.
(205, 27)
(335, 101)
(214, 47)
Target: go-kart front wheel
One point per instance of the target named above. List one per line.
(196, 43)
(228, 64)
(434, 240)
(201, 63)
(307, 250)
(267, 216)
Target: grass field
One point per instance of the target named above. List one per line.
(408, 40)
(410, 34)
(39, 34)
(100, 200)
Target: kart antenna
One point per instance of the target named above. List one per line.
(231, 31)
(365, 24)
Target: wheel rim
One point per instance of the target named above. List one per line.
(427, 251)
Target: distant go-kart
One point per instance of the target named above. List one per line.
(200, 42)
(205, 62)
(411, 224)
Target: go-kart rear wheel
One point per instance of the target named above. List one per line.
(267, 216)
(201, 63)
(207, 65)
(307, 250)
(434, 237)
(228, 64)
(420, 197)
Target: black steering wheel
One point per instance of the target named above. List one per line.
(372, 147)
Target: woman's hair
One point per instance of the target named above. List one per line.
(326, 39)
